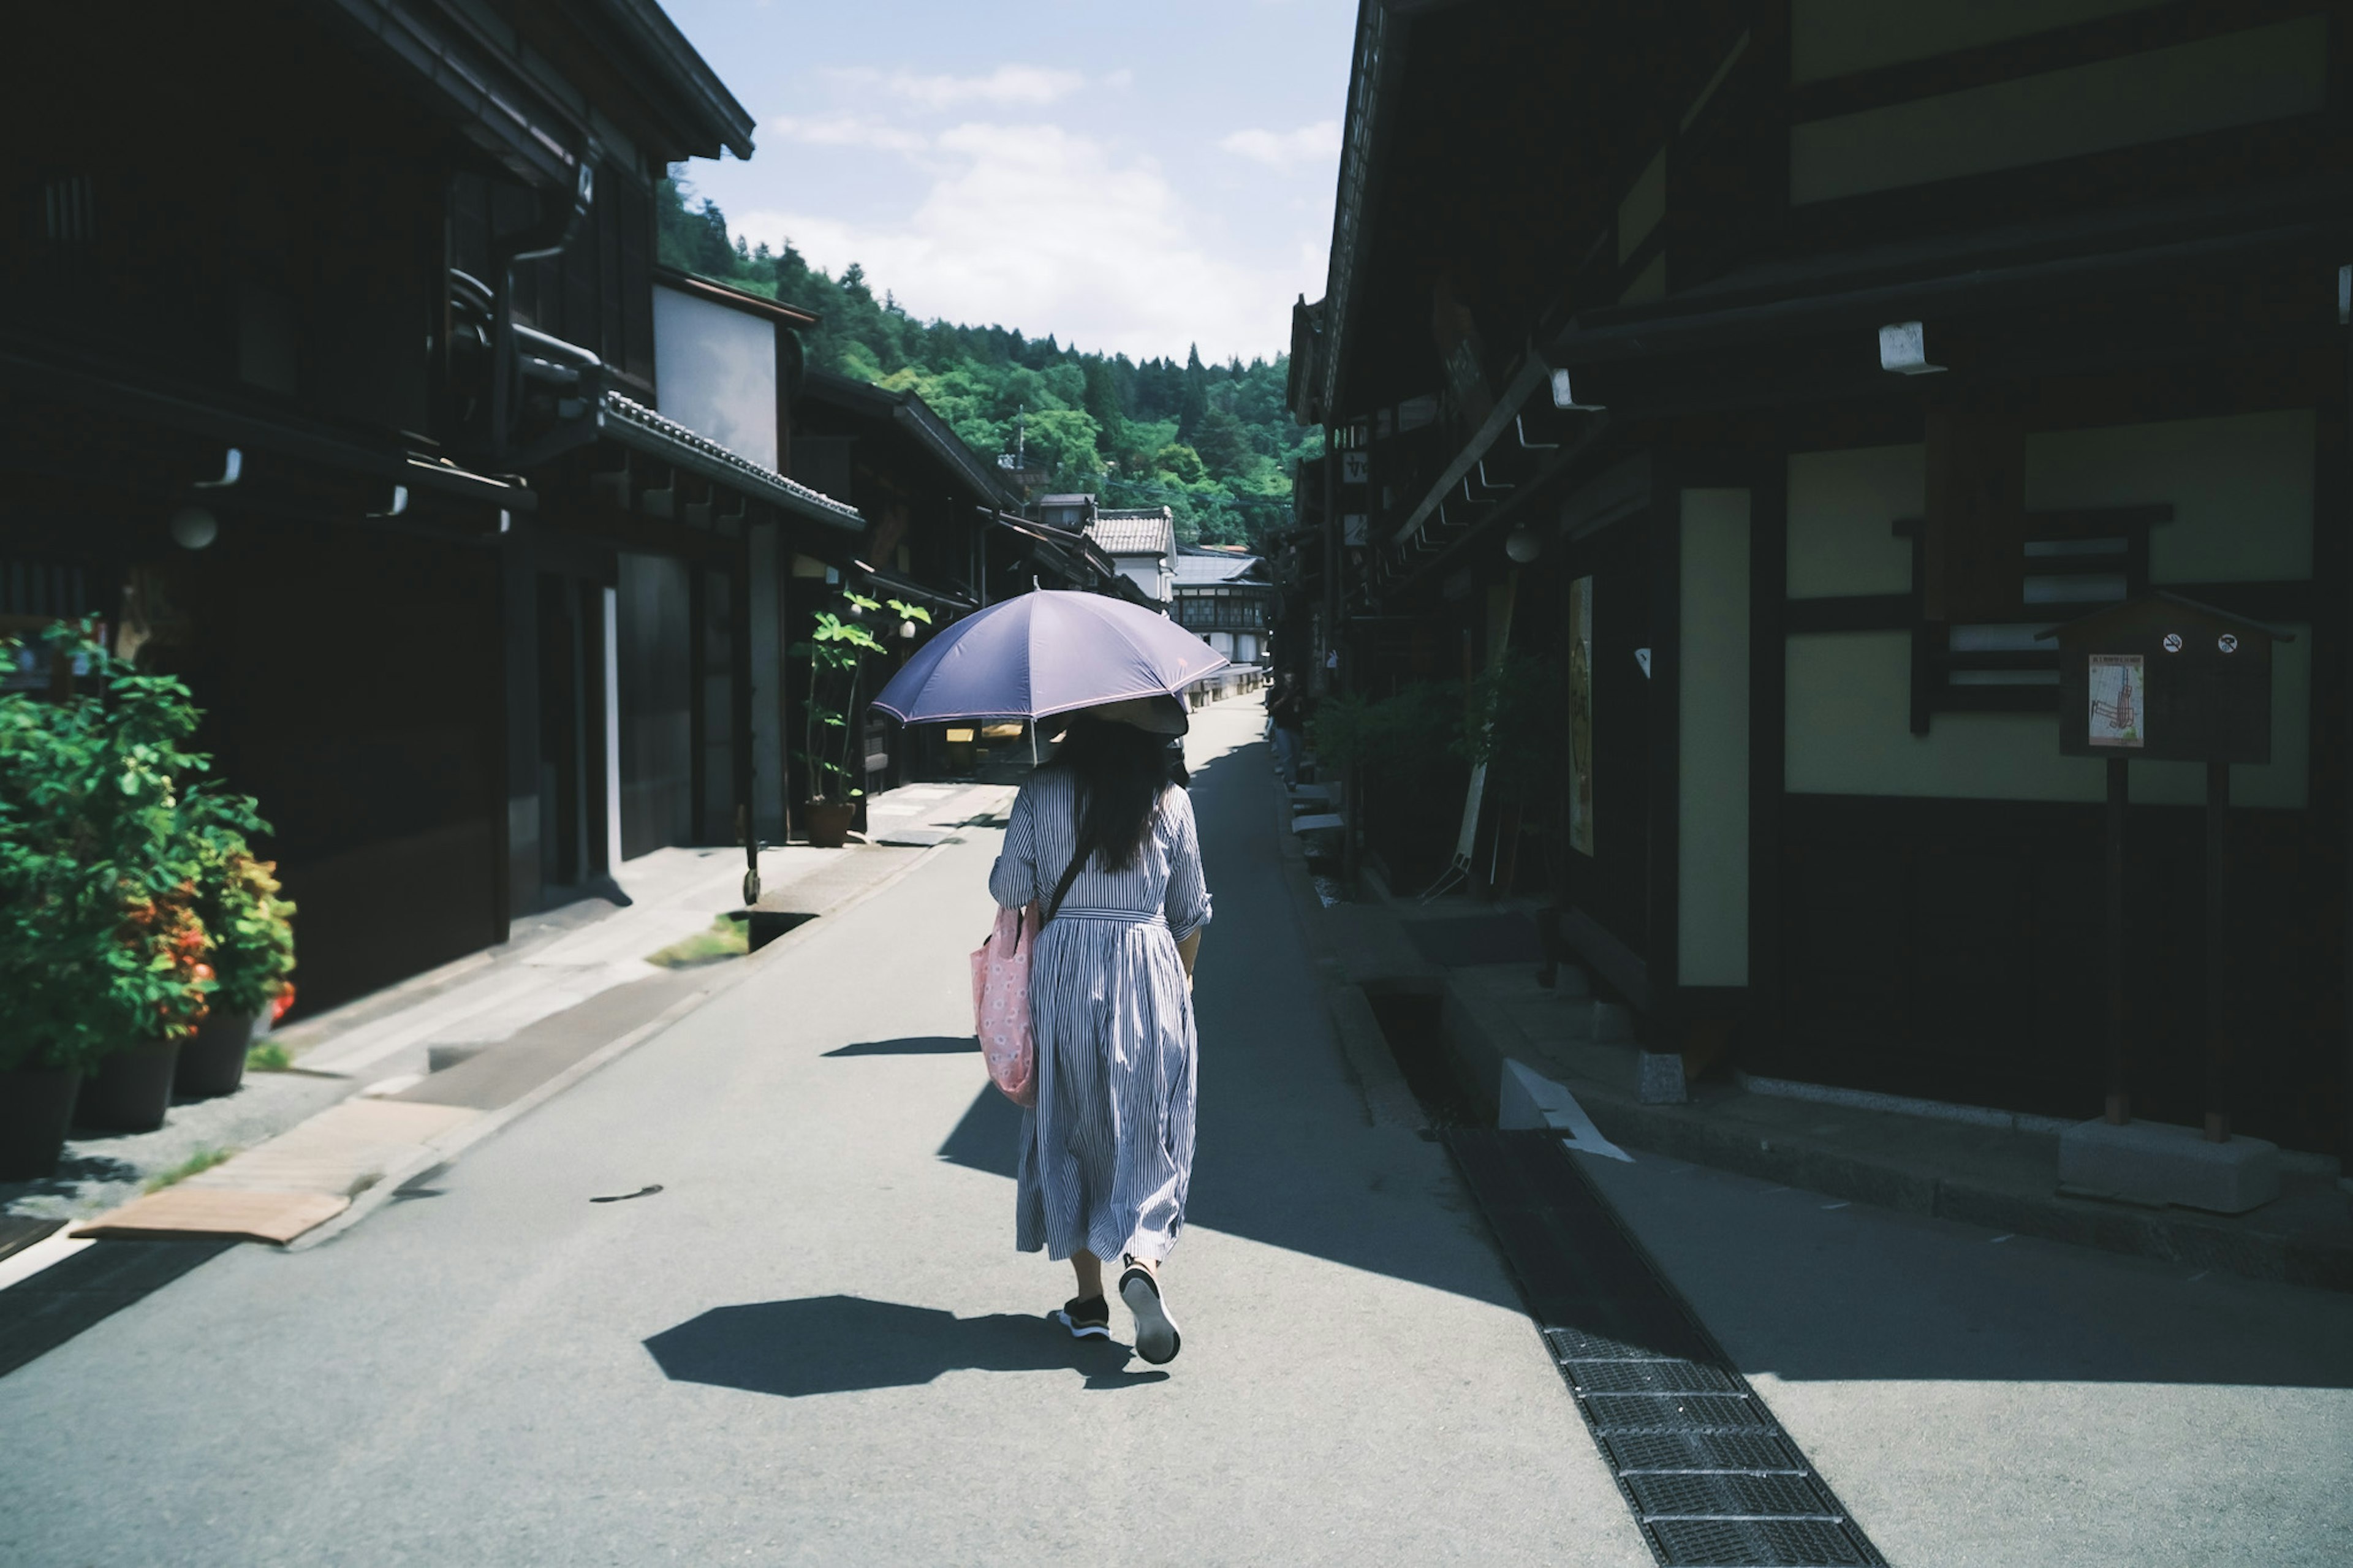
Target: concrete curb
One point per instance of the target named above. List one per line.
(446, 1149)
(443, 1151)
(1364, 1048)
(1688, 1132)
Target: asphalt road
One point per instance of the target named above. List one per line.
(816, 1344)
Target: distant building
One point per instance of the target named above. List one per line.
(1225, 596)
(1144, 543)
(1073, 512)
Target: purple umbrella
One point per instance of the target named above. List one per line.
(1044, 653)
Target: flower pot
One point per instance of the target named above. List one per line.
(36, 1108)
(132, 1087)
(212, 1061)
(829, 822)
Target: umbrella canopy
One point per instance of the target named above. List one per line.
(1047, 652)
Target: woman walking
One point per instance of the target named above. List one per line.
(1106, 846)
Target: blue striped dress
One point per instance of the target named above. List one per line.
(1107, 1152)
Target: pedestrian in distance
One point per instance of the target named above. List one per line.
(1287, 715)
(1104, 842)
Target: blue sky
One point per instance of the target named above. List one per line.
(1130, 177)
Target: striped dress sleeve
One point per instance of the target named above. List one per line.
(1187, 902)
(1013, 880)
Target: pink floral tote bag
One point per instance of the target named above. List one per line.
(1000, 1003)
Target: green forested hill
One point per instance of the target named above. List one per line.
(1213, 442)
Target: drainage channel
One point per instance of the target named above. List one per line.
(1709, 1473)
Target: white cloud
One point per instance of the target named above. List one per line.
(851, 131)
(1043, 228)
(1007, 87)
(1287, 150)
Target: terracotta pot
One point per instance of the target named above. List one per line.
(213, 1061)
(829, 822)
(36, 1108)
(132, 1087)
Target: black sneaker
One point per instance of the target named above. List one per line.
(1156, 1339)
(1087, 1316)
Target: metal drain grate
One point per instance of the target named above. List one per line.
(1758, 1543)
(1708, 1472)
(1718, 1494)
(1676, 1376)
(1747, 1451)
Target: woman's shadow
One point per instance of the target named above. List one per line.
(838, 1344)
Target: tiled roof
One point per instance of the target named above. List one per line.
(1145, 533)
(1194, 570)
(633, 424)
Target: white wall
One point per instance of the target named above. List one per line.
(1711, 730)
(1151, 573)
(1849, 732)
(1837, 37)
(2241, 487)
(1843, 508)
(716, 370)
(2237, 78)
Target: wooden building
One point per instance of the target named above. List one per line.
(1226, 595)
(332, 377)
(1781, 368)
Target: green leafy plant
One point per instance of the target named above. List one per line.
(1517, 726)
(99, 930)
(195, 1165)
(728, 936)
(251, 927)
(837, 651)
(1413, 730)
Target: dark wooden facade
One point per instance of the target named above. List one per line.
(1624, 297)
(373, 288)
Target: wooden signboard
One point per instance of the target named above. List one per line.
(2166, 679)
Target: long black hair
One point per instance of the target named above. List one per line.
(1119, 774)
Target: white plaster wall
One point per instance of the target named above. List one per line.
(1842, 509)
(2236, 79)
(1147, 574)
(1711, 739)
(2241, 487)
(1849, 732)
(1836, 37)
(717, 369)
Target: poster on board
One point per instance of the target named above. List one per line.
(1580, 715)
(2119, 700)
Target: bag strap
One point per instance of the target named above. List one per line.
(1079, 858)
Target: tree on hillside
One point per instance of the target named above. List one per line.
(1224, 446)
(1196, 400)
(1215, 444)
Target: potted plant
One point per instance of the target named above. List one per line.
(161, 989)
(97, 935)
(837, 651)
(252, 956)
(1397, 756)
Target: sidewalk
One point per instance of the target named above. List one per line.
(396, 1082)
(1956, 1162)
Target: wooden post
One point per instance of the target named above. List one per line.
(2119, 1089)
(2217, 1040)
